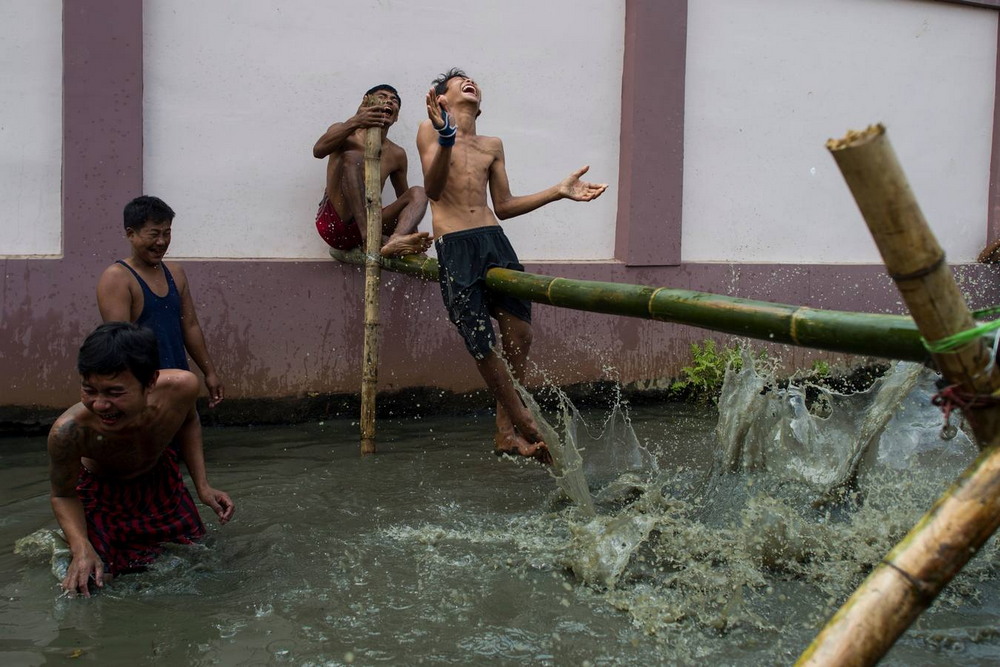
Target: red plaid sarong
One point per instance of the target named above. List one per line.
(128, 520)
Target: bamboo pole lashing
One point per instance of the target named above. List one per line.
(373, 214)
(915, 571)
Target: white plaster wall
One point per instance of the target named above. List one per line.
(30, 128)
(237, 91)
(769, 81)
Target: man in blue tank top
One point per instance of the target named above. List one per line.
(150, 292)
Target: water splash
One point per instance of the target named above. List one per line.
(567, 464)
(612, 451)
(808, 490)
(46, 543)
(825, 441)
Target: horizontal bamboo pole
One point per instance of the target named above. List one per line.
(869, 334)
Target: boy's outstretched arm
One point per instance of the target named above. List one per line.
(505, 205)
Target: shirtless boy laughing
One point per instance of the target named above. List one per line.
(459, 166)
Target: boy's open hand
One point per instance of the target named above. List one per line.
(573, 188)
(435, 106)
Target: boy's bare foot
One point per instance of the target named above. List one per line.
(512, 444)
(411, 244)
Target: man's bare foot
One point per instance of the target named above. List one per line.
(410, 244)
(512, 444)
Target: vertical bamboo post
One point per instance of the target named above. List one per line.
(373, 209)
(942, 542)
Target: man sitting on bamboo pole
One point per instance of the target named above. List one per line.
(341, 217)
(458, 166)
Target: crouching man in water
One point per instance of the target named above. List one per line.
(459, 167)
(116, 492)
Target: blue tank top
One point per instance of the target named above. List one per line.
(162, 314)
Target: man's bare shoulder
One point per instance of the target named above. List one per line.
(115, 273)
(390, 145)
(177, 385)
(71, 431)
(114, 284)
(177, 271)
(392, 151)
(175, 390)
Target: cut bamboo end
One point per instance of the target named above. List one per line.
(855, 138)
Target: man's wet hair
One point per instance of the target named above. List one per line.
(114, 347)
(145, 209)
(385, 86)
(441, 83)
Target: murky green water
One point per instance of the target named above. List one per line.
(434, 551)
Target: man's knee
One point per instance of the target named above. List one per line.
(518, 335)
(415, 196)
(418, 193)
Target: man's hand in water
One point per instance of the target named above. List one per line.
(573, 188)
(219, 501)
(84, 566)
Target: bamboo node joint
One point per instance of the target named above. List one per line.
(925, 593)
(919, 273)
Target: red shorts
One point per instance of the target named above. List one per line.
(337, 233)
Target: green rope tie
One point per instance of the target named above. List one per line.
(949, 343)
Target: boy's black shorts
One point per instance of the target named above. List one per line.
(463, 259)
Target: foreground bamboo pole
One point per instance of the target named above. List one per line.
(373, 210)
(935, 550)
(886, 336)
